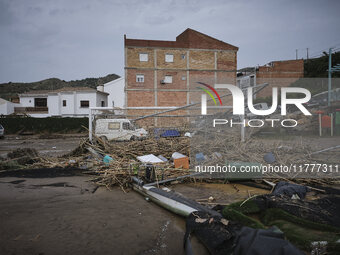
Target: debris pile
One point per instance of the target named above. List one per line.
(18, 158)
(114, 163)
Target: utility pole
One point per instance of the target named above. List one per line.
(329, 75)
(307, 53)
(296, 54)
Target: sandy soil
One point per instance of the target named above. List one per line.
(67, 215)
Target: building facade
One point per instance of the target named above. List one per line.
(276, 74)
(6, 107)
(161, 74)
(64, 102)
(115, 89)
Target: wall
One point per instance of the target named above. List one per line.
(70, 107)
(3, 108)
(116, 92)
(27, 101)
(10, 107)
(85, 96)
(101, 97)
(6, 107)
(53, 104)
(189, 67)
(196, 58)
(279, 74)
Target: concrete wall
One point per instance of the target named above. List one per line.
(53, 105)
(116, 92)
(70, 98)
(73, 106)
(11, 106)
(7, 107)
(83, 96)
(100, 97)
(27, 101)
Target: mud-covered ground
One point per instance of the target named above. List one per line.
(46, 145)
(69, 215)
(60, 144)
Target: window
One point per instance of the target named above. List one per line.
(40, 102)
(113, 103)
(168, 79)
(252, 80)
(84, 104)
(127, 126)
(169, 58)
(184, 78)
(114, 126)
(183, 56)
(140, 78)
(103, 104)
(64, 103)
(143, 57)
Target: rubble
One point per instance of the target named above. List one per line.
(176, 150)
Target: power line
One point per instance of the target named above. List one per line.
(320, 53)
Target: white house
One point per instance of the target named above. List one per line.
(6, 107)
(65, 102)
(116, 92)
(75, 101)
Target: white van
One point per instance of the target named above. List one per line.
(118, 129)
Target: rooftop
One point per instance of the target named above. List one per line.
(188, 39)
(65, 89)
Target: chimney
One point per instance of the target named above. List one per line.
(100, 88)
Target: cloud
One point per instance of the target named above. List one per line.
(83, 38)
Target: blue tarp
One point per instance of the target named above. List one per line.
(170, 133)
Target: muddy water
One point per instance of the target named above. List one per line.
(221, 193)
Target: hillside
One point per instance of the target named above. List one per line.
(316, 74)
(317, 67)
(11, 89)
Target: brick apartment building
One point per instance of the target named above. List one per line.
(162, 74)
(276, 74)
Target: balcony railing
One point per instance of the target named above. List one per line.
(31, 109)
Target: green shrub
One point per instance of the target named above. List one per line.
(15, 125)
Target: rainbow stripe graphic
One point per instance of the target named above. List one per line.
(209, 93)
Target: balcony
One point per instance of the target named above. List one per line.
(31, 109)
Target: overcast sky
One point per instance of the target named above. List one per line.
(76, 39)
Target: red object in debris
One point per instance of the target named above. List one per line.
(326, 121)
(319, 112)
(182, 163)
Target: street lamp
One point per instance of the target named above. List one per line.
(331, 69)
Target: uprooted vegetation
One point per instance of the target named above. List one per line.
(89, 156)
